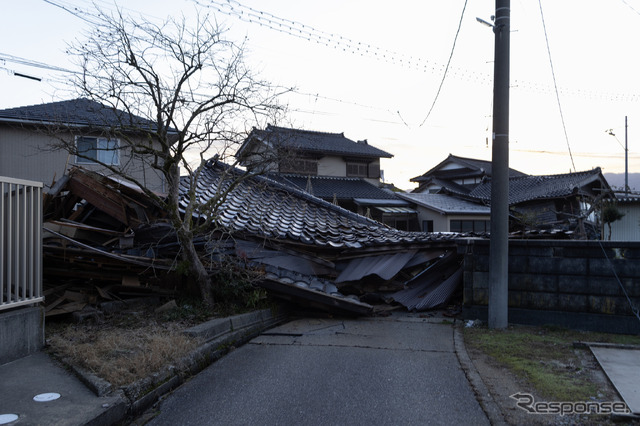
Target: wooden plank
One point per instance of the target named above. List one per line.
(99, 195)
(56, 289)
(130, 281)
(55, 303)
(66, 309)
(75, 296)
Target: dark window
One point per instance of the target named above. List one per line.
(92, 150)
(299, 165)
(427, 226)
(357, 170)
(469, 225)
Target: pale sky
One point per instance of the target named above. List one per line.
(376, 95)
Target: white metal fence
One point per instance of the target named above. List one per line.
(20, 242)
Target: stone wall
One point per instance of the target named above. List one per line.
(566, 283)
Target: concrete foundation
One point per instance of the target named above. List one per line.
(21, 332)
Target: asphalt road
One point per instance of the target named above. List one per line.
(400, 370)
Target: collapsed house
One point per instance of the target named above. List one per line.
(305, 249)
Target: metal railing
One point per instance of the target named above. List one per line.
(20, 242)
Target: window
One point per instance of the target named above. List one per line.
(427, 226)
(469, 226)
(357, 170)
(101, 150)
(299, 165)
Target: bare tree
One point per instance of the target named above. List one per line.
(197, 98)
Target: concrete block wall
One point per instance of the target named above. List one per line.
(21, 332)
(563, 280)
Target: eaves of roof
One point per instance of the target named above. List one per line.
(77, 113)
(342, 188)
(446, 204)
(313, 142)
(476, 168)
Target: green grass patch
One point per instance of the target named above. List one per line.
(544, 356)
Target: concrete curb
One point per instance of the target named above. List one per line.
(221, 335)
(489, 406)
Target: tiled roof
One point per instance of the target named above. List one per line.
(315, 142)
(328, 186)
(446, 184)
(471, 165)
(446, 203)
(264, 208)
(627, 197)
(529, 188)
(75, 113)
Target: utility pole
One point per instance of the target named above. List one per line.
(626, 159)
(499, 243)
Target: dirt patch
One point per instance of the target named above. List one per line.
(123, 347)
(573, 367)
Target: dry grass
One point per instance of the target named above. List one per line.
(545, 357)
(121, 350)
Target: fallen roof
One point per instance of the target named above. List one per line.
(315, 142)
(264, 208)
(530, 188)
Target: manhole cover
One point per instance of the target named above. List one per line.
(44, 397)
(7, 418)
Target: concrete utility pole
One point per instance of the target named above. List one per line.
(626, 158)
(499, 243)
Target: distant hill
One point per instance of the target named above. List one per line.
(617, 180)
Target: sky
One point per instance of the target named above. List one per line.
(375, 70)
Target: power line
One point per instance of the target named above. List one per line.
(300, 30)
(630, 7)
(553, 74)
(31, 63)
(444, 76)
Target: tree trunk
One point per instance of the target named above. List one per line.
(197, 271)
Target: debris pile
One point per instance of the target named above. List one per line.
(106, 240)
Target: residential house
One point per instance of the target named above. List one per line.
(446, 213)
(564, 201)
(458, 174)
(626, 228)
(29, 136)
(455, 196)
(329, 166)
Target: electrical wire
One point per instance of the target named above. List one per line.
(630, 7)
(444, 75)
(555, 85)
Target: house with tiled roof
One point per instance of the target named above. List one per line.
(446, 213)
(567, 200)
(456, 174)
(329, 166)
(455, 196)
(31, 138)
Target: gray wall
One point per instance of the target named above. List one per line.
(566, 283)
(27, 154)
(21, 332)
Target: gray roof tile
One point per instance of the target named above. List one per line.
(75, 113)
(315, 142)
(267, 209)
(341, 187)
(527, 188)
(446, 203)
